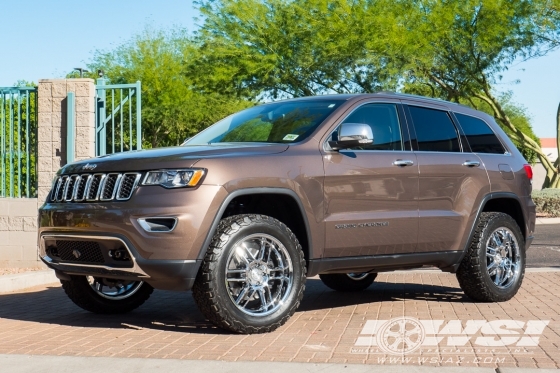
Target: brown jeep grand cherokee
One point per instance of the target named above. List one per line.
(341, 186)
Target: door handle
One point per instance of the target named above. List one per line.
(402, 163)
(471, 163)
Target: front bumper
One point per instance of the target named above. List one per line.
(165, 260)
(161, 274)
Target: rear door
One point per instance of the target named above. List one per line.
(450, 180)
(371, 192)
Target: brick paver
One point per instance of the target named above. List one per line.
(326, 327)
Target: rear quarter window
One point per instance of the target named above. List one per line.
(480, 136)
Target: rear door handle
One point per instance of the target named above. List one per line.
(402, 163)
(471, 163)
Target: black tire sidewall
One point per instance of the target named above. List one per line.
(98, 304)
(281, 234)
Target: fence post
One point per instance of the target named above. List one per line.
(138, 115)
(53, 136)
(101, 131)
(70, 125)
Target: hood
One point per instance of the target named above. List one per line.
(172, 157)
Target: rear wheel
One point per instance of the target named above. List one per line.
(494, 265)
(348, 281)
(106, 296)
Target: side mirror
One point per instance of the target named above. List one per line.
(351, 135)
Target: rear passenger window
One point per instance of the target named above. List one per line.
(480, 137)
(384, 122)
(435, 132)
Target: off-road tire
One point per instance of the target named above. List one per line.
(341, 281)
(472, 273)
(80, 292)
(209, 290)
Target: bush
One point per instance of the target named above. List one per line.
(547, 202)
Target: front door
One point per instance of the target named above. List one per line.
(371, 191)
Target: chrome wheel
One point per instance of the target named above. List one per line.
(114, 289)
(503, 258)
(357, 276)
(259, 274)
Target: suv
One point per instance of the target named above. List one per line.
(340, 186)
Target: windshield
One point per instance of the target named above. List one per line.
(281, 122)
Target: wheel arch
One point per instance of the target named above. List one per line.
(286, 198)
(505, 202)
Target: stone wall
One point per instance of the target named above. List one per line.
(18, 233)
(18, 216)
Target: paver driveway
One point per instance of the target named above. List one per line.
(325, 328)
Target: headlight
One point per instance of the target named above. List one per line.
(174, 178)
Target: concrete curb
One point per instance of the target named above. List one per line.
(547, 221)
(21, 281)
(71, 364)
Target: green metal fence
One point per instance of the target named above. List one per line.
(118, 117)
(18, 142)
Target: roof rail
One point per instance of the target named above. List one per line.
(435, 99)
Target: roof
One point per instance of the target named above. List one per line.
(548, 142)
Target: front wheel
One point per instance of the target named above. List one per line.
(253, 276)
(348, 281)
(494, 265)
(106, 296)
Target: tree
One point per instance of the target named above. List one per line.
(171, 109)
(452, 49)
(457, 49)
(279, 48)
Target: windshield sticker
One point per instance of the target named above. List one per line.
(290, 137)
(331, 105)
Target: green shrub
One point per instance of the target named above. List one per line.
(547, 202)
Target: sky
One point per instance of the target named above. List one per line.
(47, 39)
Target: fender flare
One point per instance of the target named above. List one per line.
(249, 191)
(485, 199)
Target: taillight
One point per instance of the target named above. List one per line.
(528, 171)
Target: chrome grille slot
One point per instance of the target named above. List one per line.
(109, 185)
(81, 188)
(127, 185)
(69, 188)
(93, 191)
(96, 187)
(61, 188)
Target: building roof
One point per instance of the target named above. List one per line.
(548, 142)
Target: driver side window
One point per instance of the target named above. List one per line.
(384, 122)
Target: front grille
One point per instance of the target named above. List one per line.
(94, 187)
(79, 251)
